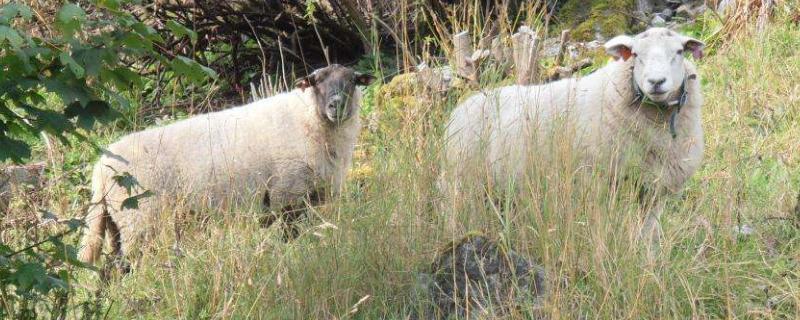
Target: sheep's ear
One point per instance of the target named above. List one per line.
(620, 47)
(694, 46)
(364, 79)
(306, 82)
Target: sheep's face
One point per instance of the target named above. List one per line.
(334, 89)
(658, 67)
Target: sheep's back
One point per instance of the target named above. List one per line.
(237, 150)
(498, 126)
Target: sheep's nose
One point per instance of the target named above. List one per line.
(657, 82)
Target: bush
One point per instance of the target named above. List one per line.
(88, 65)
(62, 83)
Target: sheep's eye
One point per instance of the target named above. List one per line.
(680, 52)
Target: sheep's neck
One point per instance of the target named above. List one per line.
(641, 106)
(673, 106)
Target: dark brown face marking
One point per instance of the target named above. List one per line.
(334, 87)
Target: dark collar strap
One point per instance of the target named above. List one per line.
(642, 99)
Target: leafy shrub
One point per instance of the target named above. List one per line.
(62, 85)
(36, 279)
(89, 65)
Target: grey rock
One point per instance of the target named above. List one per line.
(438, 79)
(646, 6)
(477, 274)
(684, 11)
(550, 47)
(658, 21)
(689, 11)
(592, 45)
(667, 13)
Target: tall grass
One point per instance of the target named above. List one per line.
(360, 255)
(387, 227)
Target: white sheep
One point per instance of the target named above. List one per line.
(276, 150)
(649, 98)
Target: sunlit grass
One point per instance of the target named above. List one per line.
(392, 220)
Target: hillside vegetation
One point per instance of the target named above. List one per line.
(731, 245)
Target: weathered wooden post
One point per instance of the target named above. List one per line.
(525, 55)
(562, 47)
(763, 15)
(462, 51)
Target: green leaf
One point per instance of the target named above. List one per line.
(126, 180)
(14, 150)
(50, 121)
(20, 129)
(133, 202)
(88, 115)
(122, 78)
(12, 10)
(133, 41)
(68, 91)
(24, 60)
(73, 65)
(180, 30)
(4, 249)
(66, 253)
(28, 274)
(10, 35)
(69, 19)
(147, 32)
(93, 59)
(183, 66)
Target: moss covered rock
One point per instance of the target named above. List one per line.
(587, 19)
(404, 107)
(474, 275)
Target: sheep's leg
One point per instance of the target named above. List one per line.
(290, 214)
(650, 233)
(293, 214)
(316, 197)
(115, 263)
(130, 228)
(114, 241)
(651, 228)
(271, 216)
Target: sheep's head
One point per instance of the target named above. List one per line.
(334, 89)
(658, 54)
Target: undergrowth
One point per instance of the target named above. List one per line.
(731, 247)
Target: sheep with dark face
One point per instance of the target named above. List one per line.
(275, 151)
(649, 98)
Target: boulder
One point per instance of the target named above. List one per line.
(658, 21)
(476, 278)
